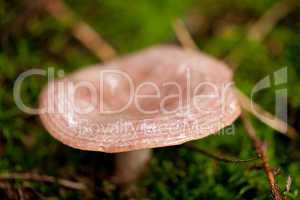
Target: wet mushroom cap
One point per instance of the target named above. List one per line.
(160, 96)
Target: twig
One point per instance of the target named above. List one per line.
(263, 26)
(43, 178)
(263, 115)
(183, 35)
(81, 30)
(217, 157)
(261, 150)
(288, 187)
(288, 184)
(266, 23)
(21, 193)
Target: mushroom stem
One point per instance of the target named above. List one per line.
(130, 165)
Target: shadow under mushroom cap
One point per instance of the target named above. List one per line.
(195, 99)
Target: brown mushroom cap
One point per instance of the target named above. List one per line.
(208, 102)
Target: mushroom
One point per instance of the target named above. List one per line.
(157, 97)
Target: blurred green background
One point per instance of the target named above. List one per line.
(31, 38)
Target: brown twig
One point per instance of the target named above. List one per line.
(217, 157)
(21, 194)
(261, 150)
(288, 186)
(43, 178)
(264, 116)
(262, 27)
(184, 35)
(81, 30)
